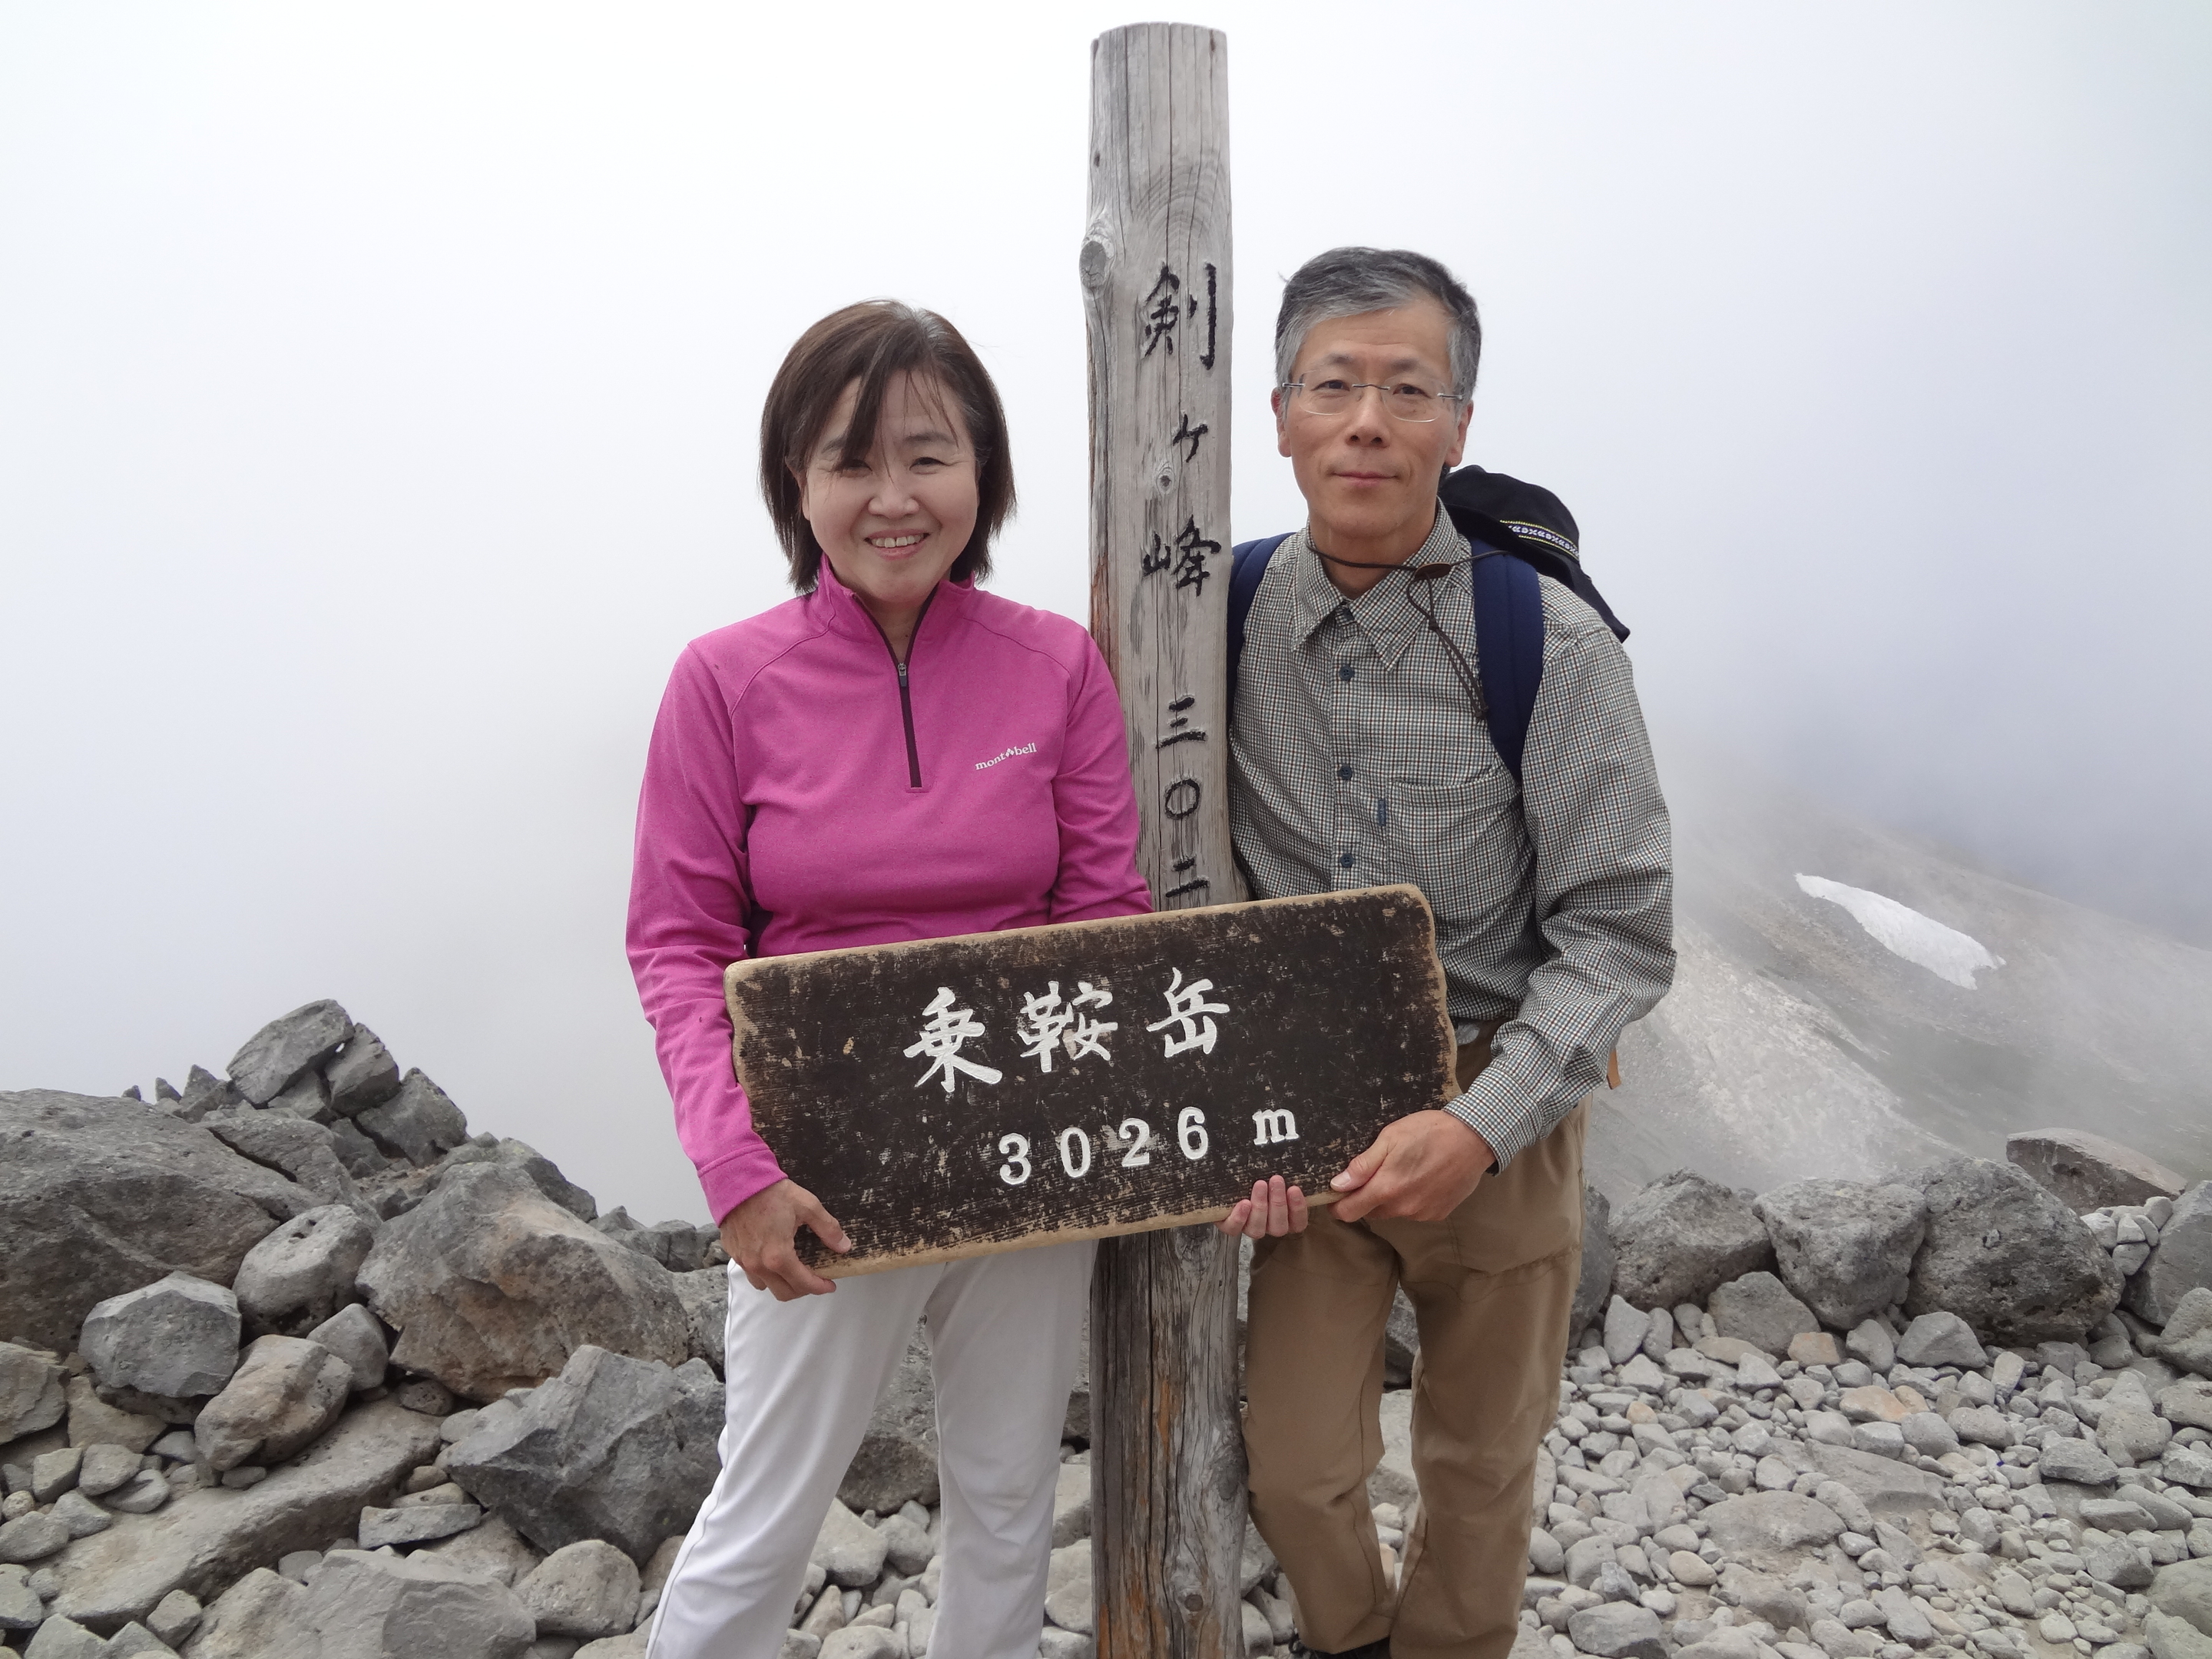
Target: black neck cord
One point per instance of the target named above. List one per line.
(1419, 578)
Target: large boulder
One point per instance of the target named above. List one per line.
(542, 1170)
(2089, 1172)
(362, 1076)
(2007, 1256)
(1771, 1529)
(101, 1195)
(706, 1298)
(1758, 1309)
(2182, 1262)
(205, 1539)
(2187, 1338)
(31, 1396)
(303, 1273)
(492, 1286)
(420, 1123)
(2183, 1590)
(356, 1605)
(1845, 1248)
(280, 1051)
(1682, 1238)
(287, 1391)
(301, 1150)
(586, 1590)
(612, 1448)
(1595, 1285)
(177, 1337)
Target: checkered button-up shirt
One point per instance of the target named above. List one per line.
(1357, 759)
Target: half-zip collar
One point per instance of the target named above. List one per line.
(906, 690)
(843, 612)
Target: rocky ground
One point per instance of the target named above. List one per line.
(296, 1366)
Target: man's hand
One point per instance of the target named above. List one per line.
(1419, 1169)
(1272, 1211)
(759, 1233)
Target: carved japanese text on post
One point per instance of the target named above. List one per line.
(951, 1098)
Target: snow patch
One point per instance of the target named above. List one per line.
(1943, 951)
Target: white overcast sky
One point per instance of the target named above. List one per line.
(379, 385)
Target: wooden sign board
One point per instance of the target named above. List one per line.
(955, 1096)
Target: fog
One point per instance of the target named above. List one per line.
(378, 391)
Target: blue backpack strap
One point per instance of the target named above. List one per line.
(1509, 636)
(1247, 563)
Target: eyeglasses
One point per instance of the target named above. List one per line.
(1405, 400)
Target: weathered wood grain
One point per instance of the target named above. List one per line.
(951, 1098)
(1168, 1455)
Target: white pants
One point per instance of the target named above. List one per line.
(803, 1380)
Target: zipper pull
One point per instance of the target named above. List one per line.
(902, 669)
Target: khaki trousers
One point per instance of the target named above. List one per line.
(1492, 1287)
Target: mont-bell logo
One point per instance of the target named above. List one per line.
(1004, 754)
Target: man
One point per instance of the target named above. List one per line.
(1360, 756)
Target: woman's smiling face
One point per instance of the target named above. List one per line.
(891, 522)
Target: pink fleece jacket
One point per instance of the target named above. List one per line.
(797, 798)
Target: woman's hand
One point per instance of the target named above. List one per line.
(1272, 1211)
(759, 1236)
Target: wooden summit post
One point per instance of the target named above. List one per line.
(1167, 1449)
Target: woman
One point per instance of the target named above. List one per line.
(812, 783)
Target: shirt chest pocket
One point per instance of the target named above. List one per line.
(1442, 835)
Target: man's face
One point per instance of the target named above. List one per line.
(1370, 479)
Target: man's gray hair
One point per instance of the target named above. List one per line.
(1345, 281)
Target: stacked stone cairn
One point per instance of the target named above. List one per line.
(292, 1364)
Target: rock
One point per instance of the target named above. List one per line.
(1816, 1348)
(32, 1537)
(374, 1606)
(851, 1554)
(1682, 1237)
(2171, 1638)
(206, 1538)
(104, 1467)
(1067, 1600)
(1758, 1309)
(2187, 1465)
(65, 1639)
(1838, 1640)
(174, 1618)
(263, 1614)
(1983, 1425)
(546, 1176)
(1594, 1283)
(2187, 1338)
(101, 1196)
(146, 1491)
(92, 1420)
(862, 1642)
(20, 1607)
(31, 1396)
(2005, 1256)
(2131, 1432)
(303, 1273)
(1872, 1346)
(353, 1335)
(493, 1286)
(1941, 1338)
(134, 1640)
(1617, 1630)
(589, 1589)
(416, 1523)
(2184, 1589)
(418, 1123)
(276, 1053)
(1393, 1480)
(1929, 1435)
(1767, 1529)
(1889, 1489)
(1625, 1329)
(490, 1549)
(1845, 1247)
(612, 1448)
(286, 1392)
(2116, 1561)
(1690, 1570)
(363, 1075)
(291, 1145)
(178, 1336)
(2089, 1172)
(896, 1463)
(2182, 1262)
(2076, 1462)
(1071, 1507)
(54, 1473)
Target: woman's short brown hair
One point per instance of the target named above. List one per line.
(872, 343)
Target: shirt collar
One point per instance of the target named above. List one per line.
(1385, 612)
(842, 610)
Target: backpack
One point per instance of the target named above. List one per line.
(1517, 530)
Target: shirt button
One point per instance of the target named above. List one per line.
(1345, 861)
(1345, 673)
(1344, 772)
